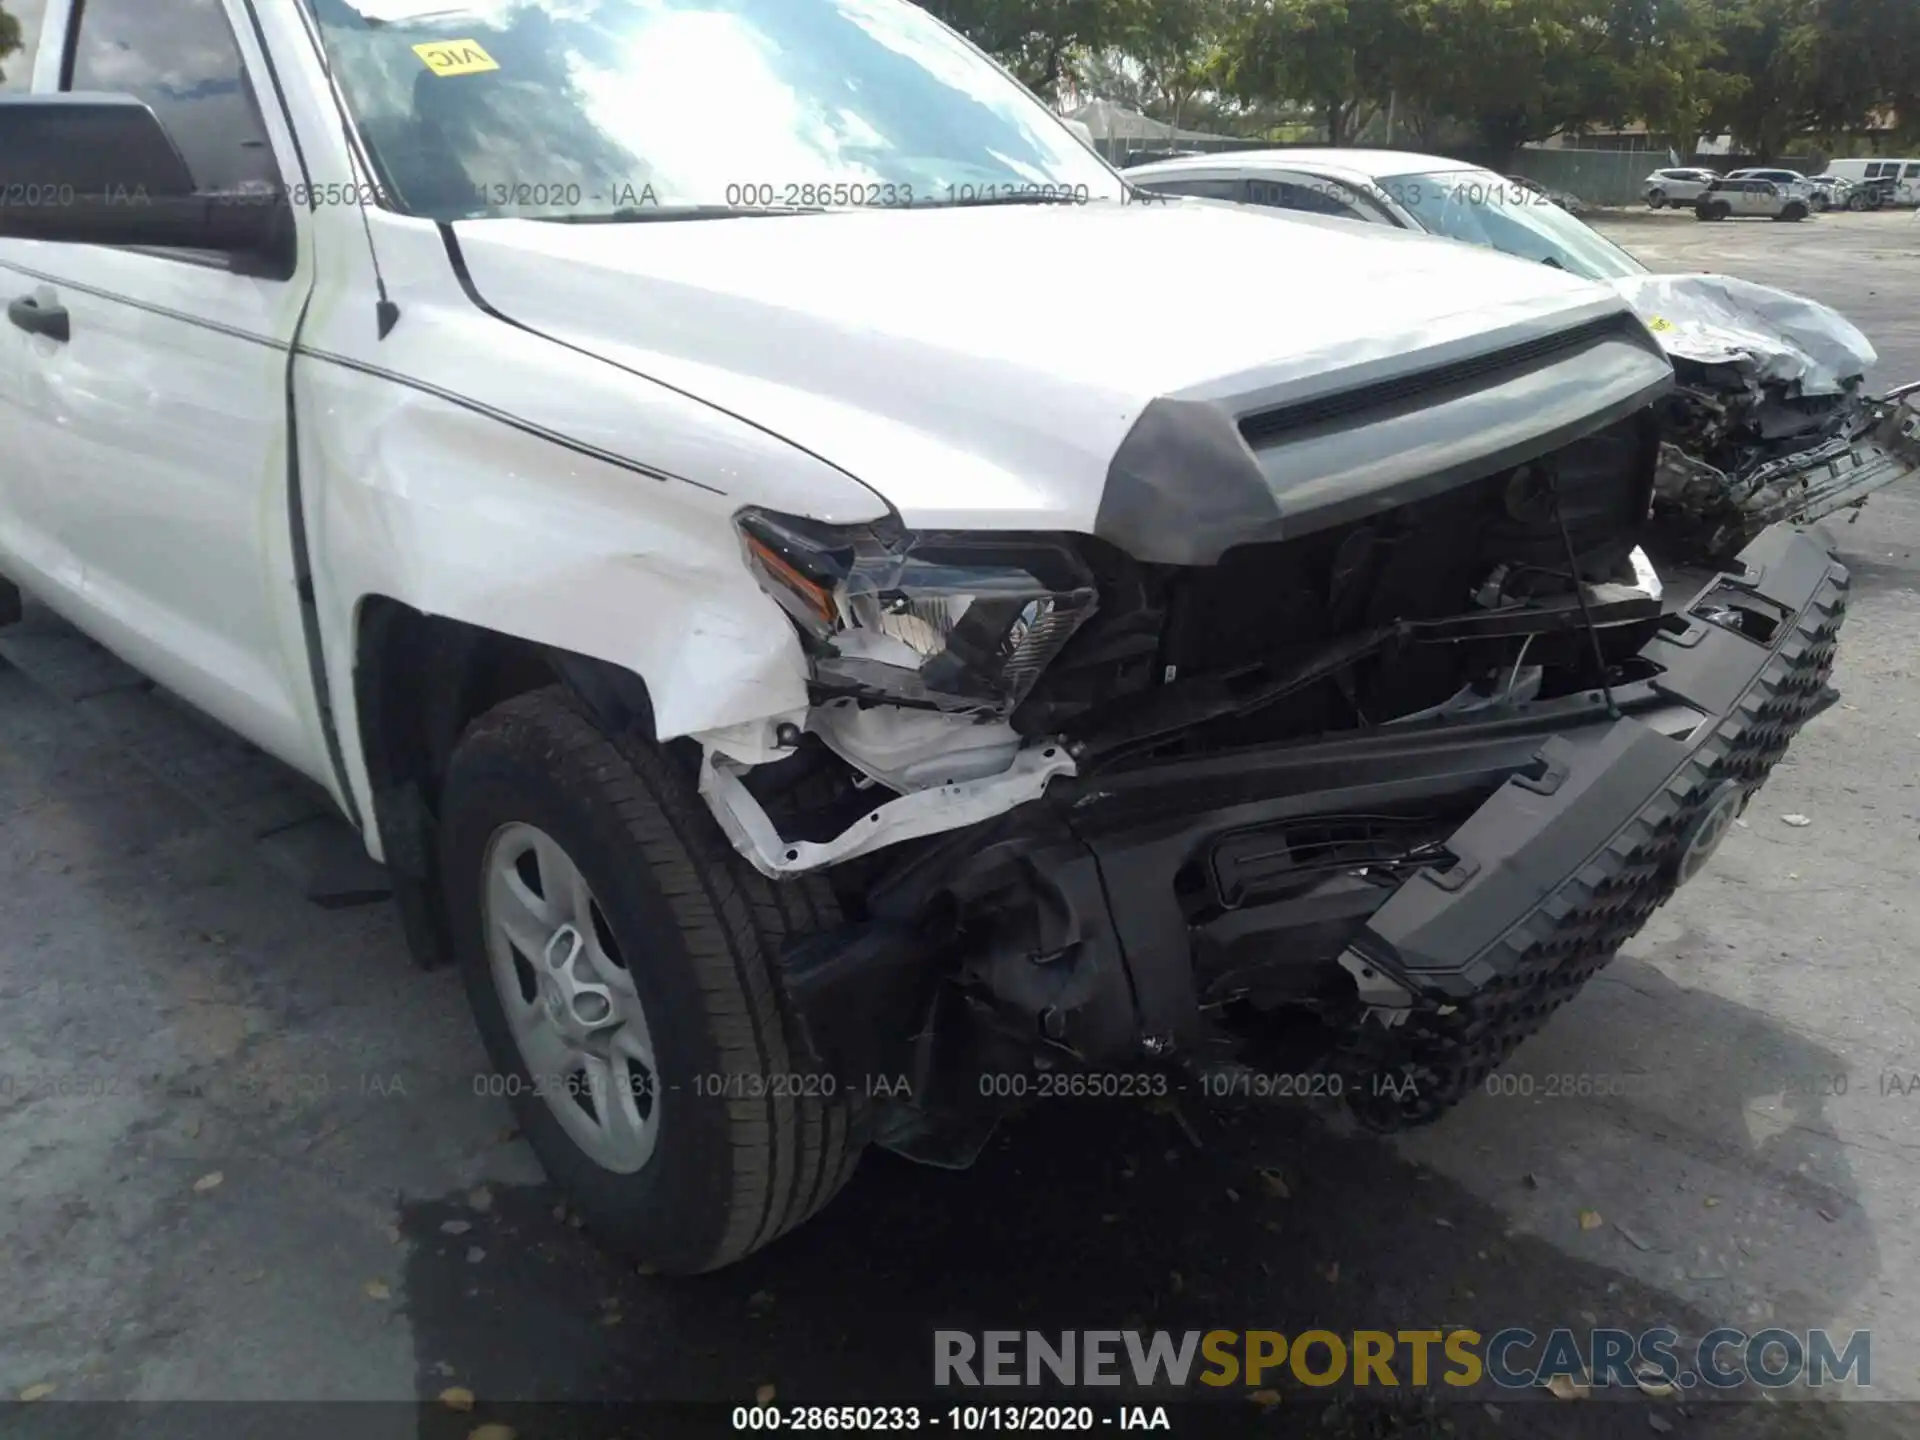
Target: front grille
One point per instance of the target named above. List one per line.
(1565, 942)
(1272, 601)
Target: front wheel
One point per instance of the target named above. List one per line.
(619, 958)
(1793, 214)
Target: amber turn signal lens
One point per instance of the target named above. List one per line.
(814, 597)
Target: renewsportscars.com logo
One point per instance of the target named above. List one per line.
(1653, 1361)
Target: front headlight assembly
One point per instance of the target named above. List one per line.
(961, 622)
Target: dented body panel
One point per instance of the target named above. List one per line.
(1780, 337)
(500, 479)
(1771, 420)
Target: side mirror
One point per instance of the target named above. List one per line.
(101, 170)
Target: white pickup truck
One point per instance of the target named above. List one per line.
(690, 479)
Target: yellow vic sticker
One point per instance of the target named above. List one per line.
(455, 57)
(1659, 323)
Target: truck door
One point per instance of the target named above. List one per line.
(154, 512)
(16, 394)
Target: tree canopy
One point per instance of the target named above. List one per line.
(1498, 72)
(9, 39)
(1503, 72)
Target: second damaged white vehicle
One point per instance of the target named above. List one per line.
(825, 665)
(1772, 419)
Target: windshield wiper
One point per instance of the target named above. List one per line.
(645, 214)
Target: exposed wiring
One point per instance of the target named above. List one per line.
(1514, 678)
(1580, 594)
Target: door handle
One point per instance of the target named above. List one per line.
(31, 316)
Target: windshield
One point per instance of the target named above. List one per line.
(638, 109)
(1483, 209)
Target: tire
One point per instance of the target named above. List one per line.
(734, 1161)
(1656, 198)
(1857, 202)
(1793, 214)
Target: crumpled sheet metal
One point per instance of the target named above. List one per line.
(1782, 337)
(1689, 483)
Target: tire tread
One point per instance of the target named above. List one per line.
(790, 1153)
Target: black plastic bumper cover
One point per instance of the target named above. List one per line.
(1599, 840)
(1580, 819)
(1551, 893)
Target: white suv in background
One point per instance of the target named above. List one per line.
(1682, 186)
(1751, 195)
(1791, 182)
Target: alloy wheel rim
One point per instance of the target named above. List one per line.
(569, 998)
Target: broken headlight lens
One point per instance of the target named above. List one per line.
(957, 621)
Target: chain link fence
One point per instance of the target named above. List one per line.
(1599, 177)
(1614, 177)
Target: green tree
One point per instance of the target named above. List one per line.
(1040, 40)
(9, 39)
(1857, 58)
(1669, 52)
(1820, 67)
(1112, 74)
(1770, 47)
(1513, 70)
(1178, 48)
(1336, 56)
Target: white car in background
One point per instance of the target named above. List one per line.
(1791, 182)
(1751, 195)
(1832, 192)
(1679, 186)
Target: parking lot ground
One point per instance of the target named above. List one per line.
(248, 1154)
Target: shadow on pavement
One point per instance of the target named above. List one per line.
(1095, 1216)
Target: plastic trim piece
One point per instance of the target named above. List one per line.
(1185, 486)
(925, 812)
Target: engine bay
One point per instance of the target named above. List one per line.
(1520, 586)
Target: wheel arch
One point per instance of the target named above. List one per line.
(419, 681)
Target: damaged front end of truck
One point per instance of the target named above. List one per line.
(1358, 777)
(1771, 419)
